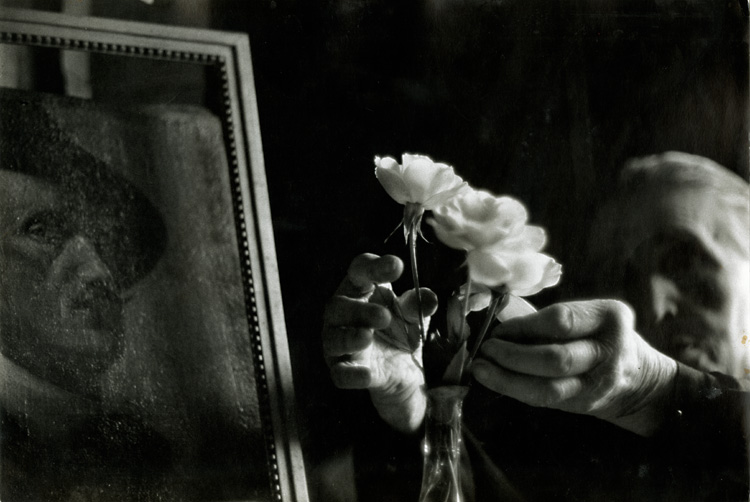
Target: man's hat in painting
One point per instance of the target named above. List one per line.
(130, 234)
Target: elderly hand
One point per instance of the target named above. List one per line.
(580, 357)
(371, 339)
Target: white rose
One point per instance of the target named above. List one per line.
(477, 219)
(418, 180)
(479, 296)
(527, 238)
(522, 272)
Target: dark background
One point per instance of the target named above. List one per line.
(542, 100)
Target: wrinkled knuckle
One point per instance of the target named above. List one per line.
(619, 315)
(560, 359)
(563, 317)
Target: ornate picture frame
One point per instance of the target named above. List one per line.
(204, 366)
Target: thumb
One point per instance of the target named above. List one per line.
(409, 304)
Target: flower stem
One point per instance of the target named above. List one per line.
(496, 304)
(415, 279)
(466, 308)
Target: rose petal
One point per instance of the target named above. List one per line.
(387, 163)
(408, 158)
(550, 277)
(449, 233)
(480, 301)
(445, 196)
(418, 180)
(443, 179)
(479, 296)
(526, 270)
(418, 176)
(524, 273)
(489, 269)
(526, 238)
(478, 219)
(392, 182)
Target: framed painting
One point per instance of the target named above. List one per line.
(143, 353)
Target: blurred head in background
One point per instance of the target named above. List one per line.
(674, 242)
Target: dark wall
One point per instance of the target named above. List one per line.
(543, 100)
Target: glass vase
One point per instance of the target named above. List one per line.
(441, 473)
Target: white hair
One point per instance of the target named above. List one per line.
(614, 233)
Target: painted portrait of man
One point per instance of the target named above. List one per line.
(61, 308)
(126, 363)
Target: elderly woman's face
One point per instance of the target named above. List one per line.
(60, 316)
(689, 281)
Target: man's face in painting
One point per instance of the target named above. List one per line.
(689, 280)
(61, 317)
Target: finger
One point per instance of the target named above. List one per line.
(341, 341)
(564, 321)
(342, 311)
(367, 270)
(348, 375)
(532, 390)
(409, 304)
(549, 360)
